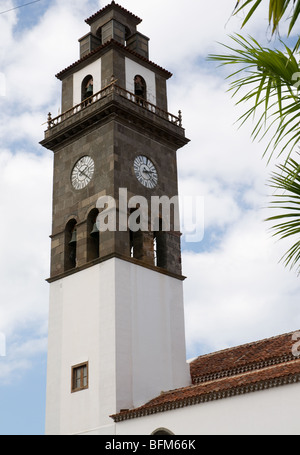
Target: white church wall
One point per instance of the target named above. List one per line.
(269, 412)
(78, 306)
(151, 338)
(127, 322)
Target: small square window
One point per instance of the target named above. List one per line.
(80, 377)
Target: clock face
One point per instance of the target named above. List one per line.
(82, 172)
(145, 171)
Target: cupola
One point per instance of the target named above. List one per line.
(114, 23)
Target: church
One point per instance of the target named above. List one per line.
(116, 343)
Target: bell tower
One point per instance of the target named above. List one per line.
(116, 320)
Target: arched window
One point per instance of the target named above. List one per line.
(127, 33)
(140, 89)
(93, 236)
(87, 87)
(99, 34)
(70, 245)
(161, 432)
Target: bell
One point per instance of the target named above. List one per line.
(89, 91)
(95, 231)
(74, 238)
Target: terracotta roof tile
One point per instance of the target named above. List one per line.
(106, 8)
(245, 357)
(242, 369)
(213, 390)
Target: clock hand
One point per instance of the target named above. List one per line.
(83, 173)
(148, 171)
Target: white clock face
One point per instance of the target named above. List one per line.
(82, 172)
(145, 171)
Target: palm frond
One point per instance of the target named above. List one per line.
(277, 9)
(266, 78)
(287, 201)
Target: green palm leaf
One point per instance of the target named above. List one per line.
(286, 183)
(267, 79)
(277, 9)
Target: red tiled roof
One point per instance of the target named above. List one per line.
(243, 369)
(107, 7)
(112, 42)
(247, 357)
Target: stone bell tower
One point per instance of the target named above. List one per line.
(116, 320)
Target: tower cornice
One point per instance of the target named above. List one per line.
(121, 257)
(114, 101)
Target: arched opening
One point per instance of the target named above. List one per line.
(136, 245)
(160, 249)
(162, 432)
(87, 87)
(70, 245)
(140, 89)
(127, 33)
(141, 240)
(160, 245)
(93, 236)
(99, 34)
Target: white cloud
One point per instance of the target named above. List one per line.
(180, 31)
(20, 358)
(25, 205)
(36, 55)
(238, 292)
(7, 23)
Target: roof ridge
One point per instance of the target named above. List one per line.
(247, 367)
(249, 372)
(251, 343)
(102, 10)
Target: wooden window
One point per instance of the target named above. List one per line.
(80, 380)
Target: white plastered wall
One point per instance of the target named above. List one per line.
(150, 334)
(131, 70)
(273, 411)
(94, 69)
(81, 329)
(127, 322)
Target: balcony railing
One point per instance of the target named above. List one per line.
(109, 89)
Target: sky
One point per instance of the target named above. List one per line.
(237, 290)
